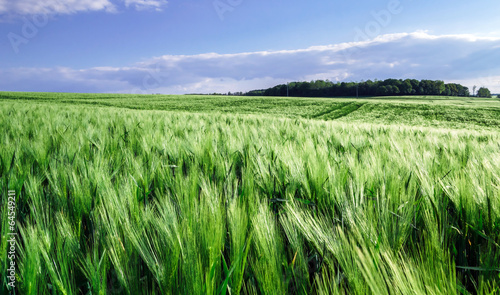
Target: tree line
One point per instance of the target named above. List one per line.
(388, 87)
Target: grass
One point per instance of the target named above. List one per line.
(118, 196)
(431, 111)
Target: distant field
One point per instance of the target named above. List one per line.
(444, 112)
(127, 194)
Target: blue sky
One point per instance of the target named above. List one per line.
(159, 46)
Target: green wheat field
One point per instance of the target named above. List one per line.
(130, 194)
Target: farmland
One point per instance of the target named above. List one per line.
(130, 194)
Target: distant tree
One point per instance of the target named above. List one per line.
(406, 87)
(438, 87)
(484, 92)
(395, 90)
(326, 88)
(392, 82)
(474, 90)
(382, 90)
(425, 87)
(451, 89)
(390, 90)
(303, 88)
(415, 84)
(455, 90)
(371, 88)
(498, 96)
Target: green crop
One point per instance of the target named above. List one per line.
(125, 194)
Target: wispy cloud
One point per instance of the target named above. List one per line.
(468, 59)
(48, 7)
(146, 4)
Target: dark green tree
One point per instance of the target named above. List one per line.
(326, 88)
(415, 84)
(438, 87)
(406, 88)
(390, 90)
(484, 92)
(382, 90)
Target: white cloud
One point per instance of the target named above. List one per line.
(26, 7)
(467, 59)
(146, 4)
